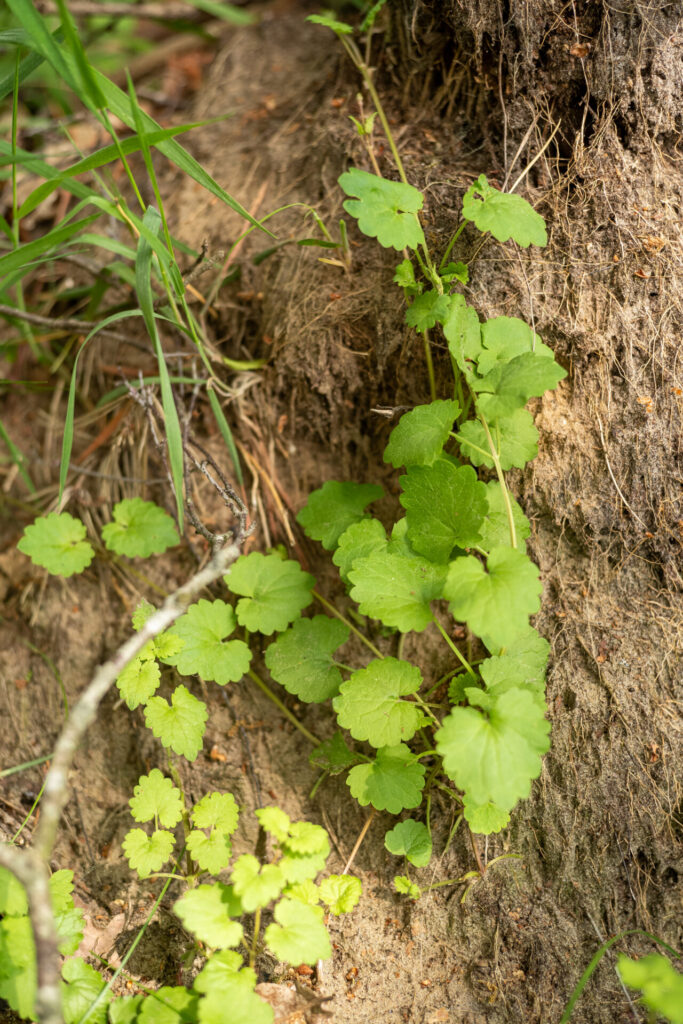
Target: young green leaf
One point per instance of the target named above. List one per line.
(140, 529)
(340, 893)
(494, 757)
(515, 439)
(419, 436)
(530, 653)
(301, 659)
(179, 725)
(463, 334)
(306, 838)
(495, 529)
(156, 797)
(505, 337)
(405, 278)
(496, 604)
(147, 854)
(218, 811)
(385, 210)
(392, 782)
(274, 821)
(13, 901)
(256, 885)
(138, 681)
(222, 985)
(331, 509)
(455, 272)
(212, 853)
(339, 27)
(207, 913)
(125, 1009)
(298, 936)
(510, 385)
(445, 508)
(80, 988)
(484, 818)
(169, 1005)
(204, 652)
(68, 918)
(405, 887)
(396, 589)
(143, 610)
(410, 839)
(299, 867)
(275, 591)
(370, 706)
(57, 543)
(505, 215)
(305, 892)
(18, 981)
(358, 541)
(659, 981)
(333, 756)
(427, 310)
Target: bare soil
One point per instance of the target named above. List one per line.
(599, 843)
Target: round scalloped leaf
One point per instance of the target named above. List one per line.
(81, 987)
(484, 818)
(427, 309)
(358, 541)
(463, 334)
(274, 821)
(493, 758)
(13, 901)
(340, 893)
(299, 867)
(224, 984)
(204, 652)
(180, 724)
(495, 529)
(504, 214)
(392, 782)
(57, 543)
(256, 885)
(370, 706)
(301, 659)
(396, 589)
(207, 911)
(385, 210)
(138, 681)
(495, 604)
(515, 438)
(140, 529)
(212, 853)
(405, 887)
(147, 854)
(306, 838)
(275, 592)
(333, 755)
(169, 1005)
(445, 507)
(410, 839)
(530, 651)
(505, 337)
(305, 892)
(298, 936)
(419, 436)
(156, 796)
(510, 385)
(125, 1009)
(218, 811)
(331, 509)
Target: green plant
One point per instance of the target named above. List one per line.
(660, 983)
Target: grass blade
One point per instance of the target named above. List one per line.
(226, 432)
(17, 458)
(25, 254)
(143, 272)
(227, 12)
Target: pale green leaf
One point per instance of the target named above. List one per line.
(397, 590)
(274, 821)
(660, 983)
(301, 659)
(405, 887)
(307, 838)
(427, 310)
(274, 591)
(385, 210)
(514, 437)
(179, 725)
(205, 651)
(212, 853)
(505, 215)
(147, 854)
(510, 385)
(463, 334)
(207, 913)
(484, 818)
(495, 529)
(138, 681)
(140, 529)
(156, 796)
(392, 782)
(419, 436)
(370, 705)
(169, 1005)
(298, 936)
(81, 986)
(256, 885)
(410, 839)
(57, 543)
(340, 893)
(505, 337)
(223, 983)
(445, 507)
(216, 810)
(358, 541)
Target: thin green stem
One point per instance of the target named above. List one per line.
(285, 710)
(427, 710)
(501, 479)
(430, 365)
(460, 818)
(25, 766)
(454, 239)
(28, 816)
(342, 618)
(459, 655)
(254, 941)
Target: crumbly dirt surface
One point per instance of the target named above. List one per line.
(598, 848)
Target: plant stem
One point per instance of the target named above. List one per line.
(360, 839)
(461, 657)
(454, 239)
(430, 365)
(501, 479)
(426, 708)
(285, 710)
(254, 941)
(342, 618)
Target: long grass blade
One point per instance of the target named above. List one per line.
(17, 458)
(226, 432)
(143, 273)
(27, 253)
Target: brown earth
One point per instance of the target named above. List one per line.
(599, 840)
